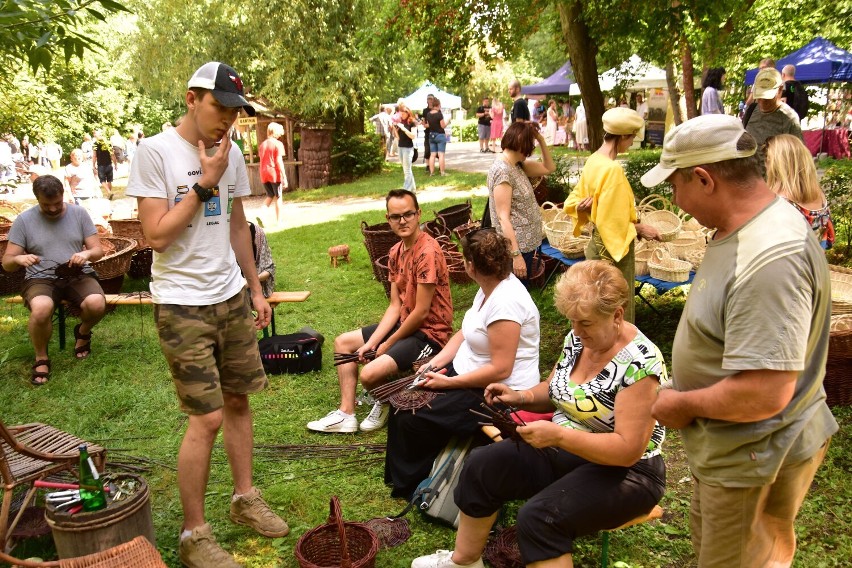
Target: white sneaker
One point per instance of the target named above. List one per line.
(442, 559)
(335, 421)
(377, 418)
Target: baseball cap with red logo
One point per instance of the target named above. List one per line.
(224, 83)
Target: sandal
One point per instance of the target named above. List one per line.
(39, 378)
(86, 347)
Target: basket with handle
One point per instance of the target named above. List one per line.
(666, 222)
(663, 267)
(117, 261)
(695, 257)
(642, 257)
(573, 247)
(337, 543)
(549, 212)
(841, 289)
(686, 242)
(468, 227)
(436, 228)
(559, 231)
(455, 215)
(654, 202)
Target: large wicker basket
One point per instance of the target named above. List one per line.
(115, 263)
(130, 228)
(436, 228)
(841, 289)
(10, 282)
(455, 215)
(838, 369)
(378, 239)
(663, 267)
(337, 543)
(381, 270)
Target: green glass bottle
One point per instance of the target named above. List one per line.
(91, 489)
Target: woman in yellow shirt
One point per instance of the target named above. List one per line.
(604, 197)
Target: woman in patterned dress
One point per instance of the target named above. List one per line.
(512, 207)
(597, 464)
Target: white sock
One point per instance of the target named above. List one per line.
(234, 497)
(185, 534)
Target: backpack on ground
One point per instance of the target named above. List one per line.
(434, 495)
(293, 353)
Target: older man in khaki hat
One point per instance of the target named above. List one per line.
(748, 358)
(772, 117)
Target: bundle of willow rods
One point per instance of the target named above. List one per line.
(501, 418)
(318, 451)
(343, 358)
(382, 393)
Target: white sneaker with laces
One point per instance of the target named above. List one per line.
(377, 418)
(335, 421)
(442, 559)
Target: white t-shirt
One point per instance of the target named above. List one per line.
(199, 268)
(85, 185)
(509, 301)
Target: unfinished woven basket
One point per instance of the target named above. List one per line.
(337, 543)
(666, 222)
(841, 289)
(10, 282)
(436, 228)
(575, 247)
(663, 267)
(501, 550)
(116, 263)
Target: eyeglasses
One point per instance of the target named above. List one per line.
(396, 217)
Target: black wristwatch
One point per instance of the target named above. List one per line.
(204, 193)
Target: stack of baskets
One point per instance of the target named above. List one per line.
(559, 230)
(838, 370)
(682, 236)
(337, 543)
(455, 215)
(143, 255)
(115, 263)
(657, 211)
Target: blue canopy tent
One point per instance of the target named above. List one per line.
(818, 62)
(557, 83)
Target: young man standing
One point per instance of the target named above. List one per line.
(520, 108)
(42, 239)
(189, 182)
(416, 324)
(772, 116)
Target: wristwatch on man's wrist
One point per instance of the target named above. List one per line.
(204, 193)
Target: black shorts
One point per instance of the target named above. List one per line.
(273, 189)
(105, 173)
(405, 351)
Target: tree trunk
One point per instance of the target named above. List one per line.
(688, 79)
(582, 50)
(315, 155)
(674, 93)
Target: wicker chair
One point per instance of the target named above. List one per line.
(30, 452)
(137, 553)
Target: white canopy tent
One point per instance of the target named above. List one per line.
(416, 101)
(634, 72)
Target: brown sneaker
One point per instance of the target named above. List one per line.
(200, 550)
(250, 509)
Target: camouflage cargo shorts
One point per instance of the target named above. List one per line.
(210, 350)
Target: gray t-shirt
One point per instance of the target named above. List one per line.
(54, 241)
(761, 299)
(763, 125)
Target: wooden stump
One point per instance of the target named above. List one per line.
(337, 253)
(315, 155)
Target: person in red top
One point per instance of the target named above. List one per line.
(272, 175)
(416, 324)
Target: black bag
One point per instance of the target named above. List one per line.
(293, 353)
(414, 157)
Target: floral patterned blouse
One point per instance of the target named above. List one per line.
(524, 213)
(591, 406)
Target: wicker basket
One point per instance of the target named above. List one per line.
(130, 228)
(654, 202)
(838, 369)
(116, 263)
(381, 270)
(378, 239)
(690, 224)
(455, 215)
(10, 282)
(575, 247)
(447, 244)
(468, 227)
(549, 212)
(686, 242)
(663, 267)
(436, 228)
(5, 228)
(559, 231)
(695, 257)
(458, 274)
(337, 543)
(666, 222)
(641, 258)
(537, 274)
(841, 289)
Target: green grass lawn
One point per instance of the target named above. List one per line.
(123, 396)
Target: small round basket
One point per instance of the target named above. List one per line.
(455, 215)
(666, 222)
(663, 267)
(686, 241)
(641, 258)
(337, 543)
(559, 231)
(574, 247)
(116, 260)
(841, 289)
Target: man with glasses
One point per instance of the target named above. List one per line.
(416, 324)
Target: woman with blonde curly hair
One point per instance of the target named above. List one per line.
(597, 463)
(791, 173)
